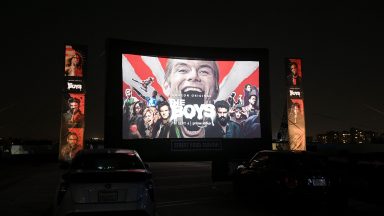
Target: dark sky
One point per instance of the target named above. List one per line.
(341, 45)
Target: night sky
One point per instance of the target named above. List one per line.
(342, 46)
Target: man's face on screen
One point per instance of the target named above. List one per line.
(252, 100)
(294, 69)
(195, 82)
(164, 112)
(238, 114)
(72, 140)
(128, 93)
(74, 106)
(192, 76)
(248, 88)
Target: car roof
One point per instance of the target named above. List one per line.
(279, 152)
(108, 151)
(287, 152)
(284, 152)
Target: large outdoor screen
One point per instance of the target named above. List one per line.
(175, 103)
(181, 97)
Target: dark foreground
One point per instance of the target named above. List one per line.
(183, 188)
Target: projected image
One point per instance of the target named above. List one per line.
(73, 117)
(189, 98)
(71, 144)
(296, 124)
(73, 61)
(72, 126)
(294, 75)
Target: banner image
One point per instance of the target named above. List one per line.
(74, 61)
(73, 106)
(72, 125)
(71, 143)
(296, 125)
(189, 98)
(73, 116)
(295, 106)
(294, 75)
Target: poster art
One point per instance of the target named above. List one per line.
(72, 126)
(73, 105)
(296, 125)
(71, 143)
(189, 98)
(74, 61)
(295, 104)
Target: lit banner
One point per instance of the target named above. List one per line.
(73, 106)
(189, 98)
(295, 111)
(74, 61)
(71, 143)
(73, 115)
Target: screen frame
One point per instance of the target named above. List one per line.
(162, 149)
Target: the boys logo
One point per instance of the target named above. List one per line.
(294, 93)
(189, 111)
(74, 86)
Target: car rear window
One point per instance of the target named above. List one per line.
(107, 162)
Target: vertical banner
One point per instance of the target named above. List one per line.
(73, 105)
(295, 105)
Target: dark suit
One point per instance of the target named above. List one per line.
(233, 130)
(290, 80)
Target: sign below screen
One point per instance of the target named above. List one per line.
(196, 146)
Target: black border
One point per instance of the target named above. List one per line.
(161, 149)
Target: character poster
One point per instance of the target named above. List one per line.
(71, 142)
(295, 105)
(294, 73)
(72, 125)
(296, 125)
(75, 57)
(189, 98)
(73, 110)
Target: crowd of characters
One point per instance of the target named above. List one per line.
(152, 117)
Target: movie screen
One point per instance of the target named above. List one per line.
(189, 98)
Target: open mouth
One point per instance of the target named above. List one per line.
(192, 96)
(192, 89)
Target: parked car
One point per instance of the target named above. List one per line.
(288, 176)
(365, 177)
(106, 182)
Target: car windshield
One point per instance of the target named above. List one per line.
(107, 162)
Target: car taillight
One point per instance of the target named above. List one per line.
(62, 190)
(290, 182)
